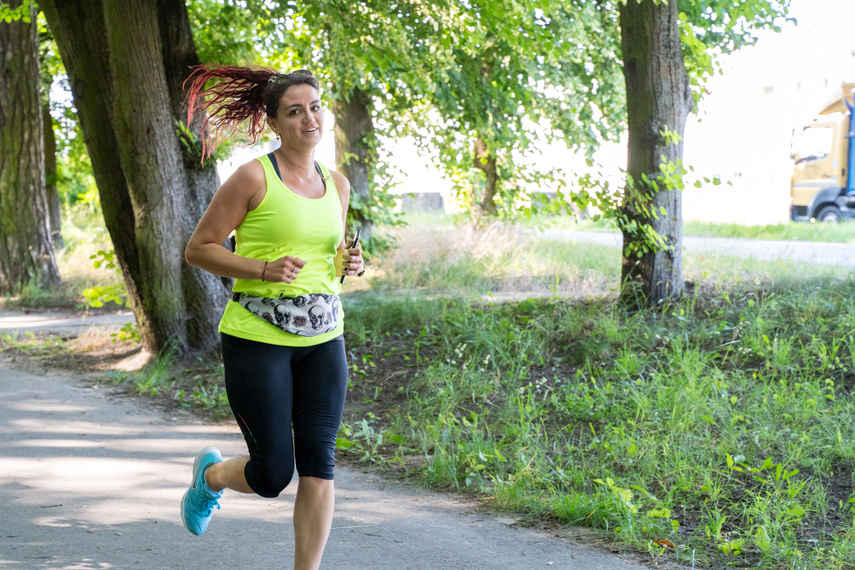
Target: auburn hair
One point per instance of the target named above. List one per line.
(239, 101)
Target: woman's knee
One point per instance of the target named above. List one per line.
(316, 460)
(268, 482)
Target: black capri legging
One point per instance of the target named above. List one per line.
(272, 388)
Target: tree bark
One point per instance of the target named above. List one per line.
(200, 287)
(151, 160)
(658, 99)
(125, 65)
(51, 191)
(26, 253)
(486, 161)
(353, 156)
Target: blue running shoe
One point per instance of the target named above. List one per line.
(197, 505)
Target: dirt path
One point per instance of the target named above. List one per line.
(91, 479)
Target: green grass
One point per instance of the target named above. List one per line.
(815, 232)
(187, 383)
(723, 424)
(839, 233)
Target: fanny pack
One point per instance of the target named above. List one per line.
(306, 315)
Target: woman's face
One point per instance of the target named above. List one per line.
(299, 122)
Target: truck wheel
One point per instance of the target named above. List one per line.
(829, 214)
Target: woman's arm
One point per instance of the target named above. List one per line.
(242, 192)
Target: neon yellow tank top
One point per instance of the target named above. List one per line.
(283, 224)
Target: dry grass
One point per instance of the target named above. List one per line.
(502, 261)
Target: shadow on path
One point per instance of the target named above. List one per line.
(90, 479)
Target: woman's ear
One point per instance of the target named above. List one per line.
(270, 126)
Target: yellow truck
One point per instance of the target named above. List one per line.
(823, 183)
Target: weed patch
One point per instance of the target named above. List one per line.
(191, 384)
(722, 426)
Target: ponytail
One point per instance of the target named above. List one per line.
(239, 102)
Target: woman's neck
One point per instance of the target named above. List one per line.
(301, 163)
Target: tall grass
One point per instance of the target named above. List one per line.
(497, 260)
(722, 425)
(84, 236)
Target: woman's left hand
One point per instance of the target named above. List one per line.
(350, 262)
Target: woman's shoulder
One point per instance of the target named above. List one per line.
(342, 184)
(250, 173)
(247, 184)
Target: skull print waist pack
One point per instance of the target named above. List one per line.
(306, 315)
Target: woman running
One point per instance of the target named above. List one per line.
(283, 351)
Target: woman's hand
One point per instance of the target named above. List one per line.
(282, 270)
(349, 261)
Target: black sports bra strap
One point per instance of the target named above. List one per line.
(321, 172)
(272, 158)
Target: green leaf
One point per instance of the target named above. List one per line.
(343, 443)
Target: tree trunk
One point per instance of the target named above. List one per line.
(200, 287)
(125, 65)
(658, 100)
(151, 160)
(26, 253)
(54, 209)
(354, 157)
(486, 161)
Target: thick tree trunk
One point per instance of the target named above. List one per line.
(125, 64)
(200, 287)
(26, 253)
(151, 160)
(354, 158)
(50, 179)
(486, 161)
(658, 100)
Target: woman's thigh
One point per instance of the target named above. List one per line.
(320, 387)
(259, 386)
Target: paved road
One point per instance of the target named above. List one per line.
(820, 253)
(59, 323)
(90, 479)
